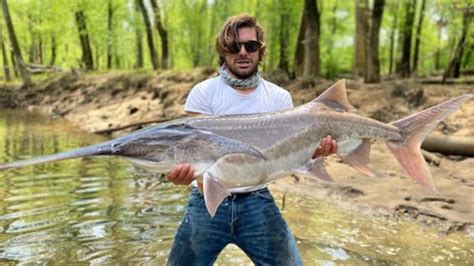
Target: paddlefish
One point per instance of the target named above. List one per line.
(246, 150)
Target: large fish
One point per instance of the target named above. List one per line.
(246, 150)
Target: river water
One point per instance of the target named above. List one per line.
(104, 211)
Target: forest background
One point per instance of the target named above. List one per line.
(305, 38)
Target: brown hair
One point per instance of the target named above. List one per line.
(230, 32)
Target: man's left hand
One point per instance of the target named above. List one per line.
(327, 146)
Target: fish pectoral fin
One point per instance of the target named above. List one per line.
(315, 169)
(214, 193)
(359, 158)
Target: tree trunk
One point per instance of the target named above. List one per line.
(6, 67)
(97, 55)
(373, 64)
(149, 34)
(312, 36)
(418, 36)
(15, 69)
(284, 37)
(110, 39)
(403, 67)
(454, 67)
(138, 41)
(438, 50)
(449, 145)
(441, 23)
(84, 39)
(139, 49)
(53, 50)
(392, 40)
(31, 53)
(307, 52)
(362, 30)
(36, 49)
(299, 51)
(36, 44)
(311, 66)
(40, 49)
(19, 63)
(467, 58)
(165, 61)
(331, 66)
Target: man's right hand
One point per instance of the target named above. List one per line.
(181, 174)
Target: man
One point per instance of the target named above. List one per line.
(249, 218)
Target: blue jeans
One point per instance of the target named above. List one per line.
(251, 221)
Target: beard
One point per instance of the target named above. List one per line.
(241, 73)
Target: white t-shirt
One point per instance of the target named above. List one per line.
(215, 97)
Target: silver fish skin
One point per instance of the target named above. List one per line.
(157, 149)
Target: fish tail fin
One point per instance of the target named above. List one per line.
(414, 129)
(81, 152)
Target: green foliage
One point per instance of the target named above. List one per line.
(193, 24)
(337, 38)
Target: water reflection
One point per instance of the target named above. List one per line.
(327, 234)
(104, 211)
(85, 210)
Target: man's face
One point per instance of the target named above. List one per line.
(243, 64)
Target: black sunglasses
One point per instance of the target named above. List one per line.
(250, 46)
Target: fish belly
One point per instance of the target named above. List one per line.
(242, 170)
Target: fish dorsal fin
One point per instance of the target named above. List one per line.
(336, 97)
